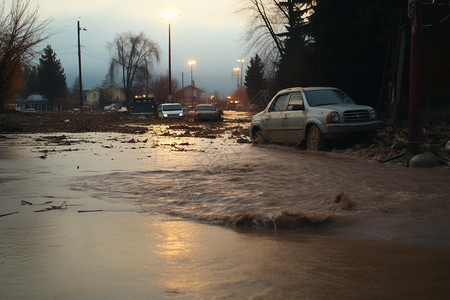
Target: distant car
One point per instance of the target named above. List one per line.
(312, 115)
(30, 110)
(207, 112)
(170, 110)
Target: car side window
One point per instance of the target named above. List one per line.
(279, 103)
(295, 99)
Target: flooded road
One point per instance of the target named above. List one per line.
(192, 218)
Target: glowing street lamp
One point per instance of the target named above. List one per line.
(169, 18)
(237, 78)
(192, 63)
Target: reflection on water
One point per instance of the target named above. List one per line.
(285, 237)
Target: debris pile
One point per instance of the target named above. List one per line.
(390, 144)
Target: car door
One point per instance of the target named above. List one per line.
(274, 119)
(295, 117)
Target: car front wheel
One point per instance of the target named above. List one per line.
(315, 140)
(258, 138)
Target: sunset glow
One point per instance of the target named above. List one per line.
(202, 29)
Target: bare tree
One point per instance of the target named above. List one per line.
(160, 88)
(20, 33)
(143, 78)
(271, 22)
(132, 54)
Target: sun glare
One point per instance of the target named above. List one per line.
(170, 16)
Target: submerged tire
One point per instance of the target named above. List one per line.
(315, 140)
(258, 138)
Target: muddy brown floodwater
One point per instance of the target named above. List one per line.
(169, 216)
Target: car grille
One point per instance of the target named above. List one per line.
(356, 116)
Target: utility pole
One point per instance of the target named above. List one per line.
(415, 14)
(169, 19)
(79, 65)
(191, 63)
(170, 67)
(241, 61)
(237, 81)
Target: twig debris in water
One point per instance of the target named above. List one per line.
(8, 214)
(61, 206)
(23, 202)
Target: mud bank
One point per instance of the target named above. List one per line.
(389, 145)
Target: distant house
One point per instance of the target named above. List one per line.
(106, 95)
(36, 101)
(191, 96)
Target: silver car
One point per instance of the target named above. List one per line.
(312, 115)
(170, 110)
(207, 112)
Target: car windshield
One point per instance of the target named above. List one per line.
(172, 107)
(206, 108)
(326, 97)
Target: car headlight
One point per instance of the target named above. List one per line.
(333, 117)
(180, 114)
(372, 113)
(165, 115)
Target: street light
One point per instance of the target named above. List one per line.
(192, 63)
(237, 80)
(241, 61)
(169, 18)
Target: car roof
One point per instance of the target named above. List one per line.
(205, 104)
(171, 104)
(310, 88)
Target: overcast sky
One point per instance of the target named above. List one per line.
(208, 31)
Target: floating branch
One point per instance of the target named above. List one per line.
(62, 206)
(4, 215)
(23, 202)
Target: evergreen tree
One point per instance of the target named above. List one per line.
(31, 80)
(254, 77)
(52, 80)
(350, 44)
(291, 67)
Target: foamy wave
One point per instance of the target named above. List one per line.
(285, 220)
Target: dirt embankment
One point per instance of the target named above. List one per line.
(64, 122)
(114, 122)
(389, 145)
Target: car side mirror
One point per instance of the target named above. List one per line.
(298, 107)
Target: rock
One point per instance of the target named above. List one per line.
(344, 201)
(426, 160)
